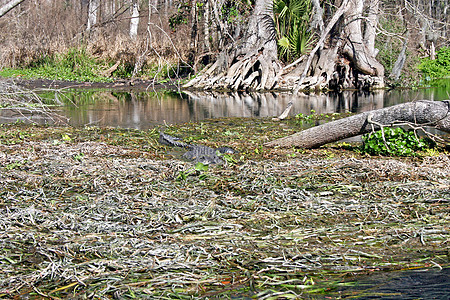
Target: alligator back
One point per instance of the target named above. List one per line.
(196, 153)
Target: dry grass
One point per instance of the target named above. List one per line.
(104, 214)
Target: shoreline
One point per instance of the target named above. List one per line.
(120, 85)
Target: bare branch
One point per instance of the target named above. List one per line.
(8, 6)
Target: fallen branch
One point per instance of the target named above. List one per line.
(109, 71)
(4, 9)
(423, 112)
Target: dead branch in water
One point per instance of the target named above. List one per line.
(21, 103)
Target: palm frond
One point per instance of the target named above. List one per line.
(291, 17)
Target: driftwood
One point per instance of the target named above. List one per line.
(5, 8)
(422, 113)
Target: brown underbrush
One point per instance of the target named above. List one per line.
(36, 30)
(101, 213)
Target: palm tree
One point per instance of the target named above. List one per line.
(291, 18)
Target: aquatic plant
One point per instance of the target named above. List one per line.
(394, 142)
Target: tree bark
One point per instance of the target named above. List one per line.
(355, 48)
(419, 113)
(206, 26)
(400, 62)
(8, 6)
(194, 25)
(317, 21)
(371, 26)
(220, 27)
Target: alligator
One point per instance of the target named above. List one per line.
(196, 153)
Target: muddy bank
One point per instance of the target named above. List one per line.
(104, 213)
(119, 85)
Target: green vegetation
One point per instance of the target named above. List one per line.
(80, 66)
(180, 17)
(199, 169)
(75, 65)
(394, 142)
(235, 11)
(304, 119)
(437, 68)
(124, 70)
(291, 19)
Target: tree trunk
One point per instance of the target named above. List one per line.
(8, 6)
(317, 21)
(371, 26)
(220, 27)
(92, 14)
(342, 58)
(418, 113)
(134, 22)
(206, 26)
(251, 62)
(325, 60)
(400, 62)
(194, 25)
(355, 48)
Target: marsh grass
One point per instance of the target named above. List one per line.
(101, 214)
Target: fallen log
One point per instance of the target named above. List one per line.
(421, 113)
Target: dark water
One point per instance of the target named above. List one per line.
(415, 284)
(143, 110)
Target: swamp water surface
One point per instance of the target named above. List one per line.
(144, 110)
(413, 284)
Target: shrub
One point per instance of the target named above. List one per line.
(291, 21)
(438, 68)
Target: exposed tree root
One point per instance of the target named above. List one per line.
(338, 61)
(250, 63)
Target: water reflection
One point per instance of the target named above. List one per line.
(273, 104)
(143, 110)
